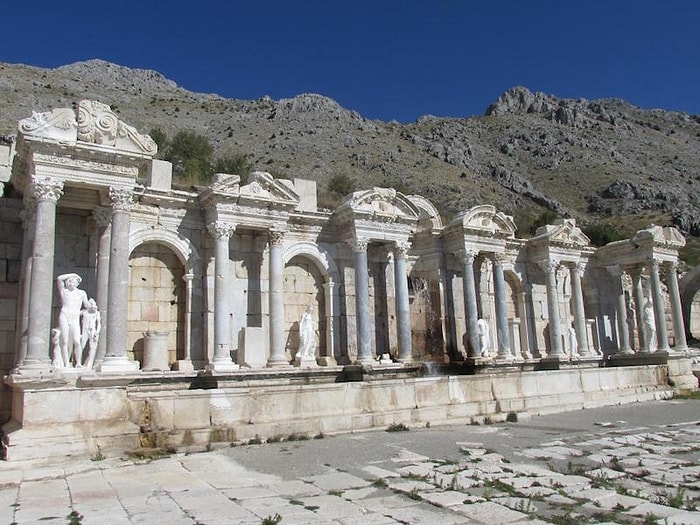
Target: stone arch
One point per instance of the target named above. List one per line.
(321, 272)
(303, 287)
(183, 248)
(312, 252)
(689, 287)
(157, 298)
(517, 314)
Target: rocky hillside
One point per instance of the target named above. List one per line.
(530, 155)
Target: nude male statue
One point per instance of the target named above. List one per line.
(73, 299)
(92, 324)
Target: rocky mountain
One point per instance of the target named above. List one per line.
(531, 154)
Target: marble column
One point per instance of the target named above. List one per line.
(221, 360)
(115, 359)
(185, 363)
(623, 334)
(676, 308)
(550, 268)
(25, 280)
(576, 271)
(499, 288)
(470, 306)
(329, 291)
(363, 321)
(638, 294)
(102, 218)
(46, 192)
(276, 298)
(659, 308)
(403, 316)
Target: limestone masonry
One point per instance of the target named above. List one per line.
(231, 311)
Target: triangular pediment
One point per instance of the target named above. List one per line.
(264, 187)
(662, 237)
(95, 123)
(563, 232)
(58, 124)
(381, 204)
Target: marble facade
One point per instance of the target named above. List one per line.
(221, 274)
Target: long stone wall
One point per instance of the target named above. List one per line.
(116, 415)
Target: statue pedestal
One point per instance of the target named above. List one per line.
(155, 351)
(306, 362)
(118, 364)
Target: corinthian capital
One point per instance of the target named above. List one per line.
(401, 249)
(122, 198)
(359, 245)
(467, 256)
(220, 229)
(498, 258)
(276, 237)
(549, 266)
(46, 189)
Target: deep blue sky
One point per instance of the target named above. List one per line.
(385, 59)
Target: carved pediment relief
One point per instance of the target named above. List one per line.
(58, 124)
(485, 220)
(563, 232)
(383, 205)
(98, 124)
(659, 236)
(95, 123)
(264, 187)
(225, 183)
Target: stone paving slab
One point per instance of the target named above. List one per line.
(452, 475)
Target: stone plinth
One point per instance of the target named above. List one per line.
(53, 418)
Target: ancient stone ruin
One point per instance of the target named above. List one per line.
(135, 312)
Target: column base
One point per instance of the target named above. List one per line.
(34, 368)
(327, 361)
(118, 365)
(183, 365)
(279, 362)
(224, 366)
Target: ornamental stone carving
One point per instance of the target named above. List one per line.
(401, 249)
(276, 237)
(46, 189)
(58, 124)
(359, 245)
(220, 230)
(122, 198)
(467, 256)
(549, 266)
(98, 124)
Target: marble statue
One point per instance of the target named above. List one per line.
(484, 338)
(573, 342)
(649, 326)
(91, 326)
(56, 357)
(307, 339)
(73, 299)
